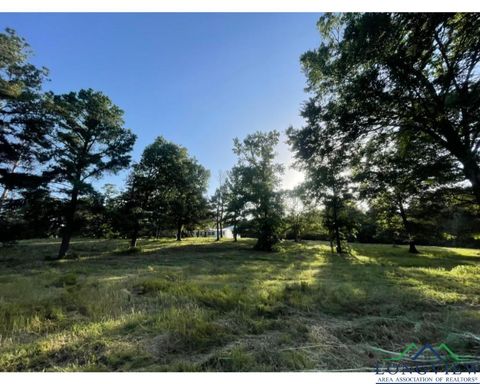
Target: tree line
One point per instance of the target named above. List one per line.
(389, 149)
(393, 112)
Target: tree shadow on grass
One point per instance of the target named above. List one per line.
(358, 301)
(389, 301)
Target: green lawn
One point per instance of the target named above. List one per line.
(199, 305)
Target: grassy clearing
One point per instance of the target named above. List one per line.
(205, 306)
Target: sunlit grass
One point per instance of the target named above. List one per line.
(201, 305)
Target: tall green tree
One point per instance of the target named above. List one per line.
(409, 72)
(188, 205)
(259, 178)
(151, 186)
(24, 125)
(165, 189)
(90, 140)
(325, 165)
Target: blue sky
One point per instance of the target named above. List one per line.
(197, 79)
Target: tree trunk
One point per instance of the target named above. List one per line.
(337, 229)
(218, 227)
(337, 239)
(406, 224)
(411, 247)
(472, 173)
(133, 241)
(221, 221)
(68, 230)
(234, 232)
(179, 232)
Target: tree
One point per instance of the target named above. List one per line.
(395, 73)
(325, 165)
(259, 178)
(395, 176)
(31, 213)
(329, 185)
(165, 189)
(218, 204)
(452, 218)
(151, 185)
(90, 140)
(132, 206)
(188, 204)
(235, 203)
(24, 126)
(41, 213)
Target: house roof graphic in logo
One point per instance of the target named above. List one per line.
(427, 353)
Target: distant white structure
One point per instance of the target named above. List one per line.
(227, 233)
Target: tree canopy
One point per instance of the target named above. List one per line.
(90, 140)
(259, 180)
(415, 74)
(24, 126)
(169, 185)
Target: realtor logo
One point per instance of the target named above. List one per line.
(427, 353)
(427, 358)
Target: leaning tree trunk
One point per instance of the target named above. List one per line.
(68, 230)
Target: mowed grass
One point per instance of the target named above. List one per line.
(202, 305)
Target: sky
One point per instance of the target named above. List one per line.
(199, 80)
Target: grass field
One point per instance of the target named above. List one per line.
(205, 306)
